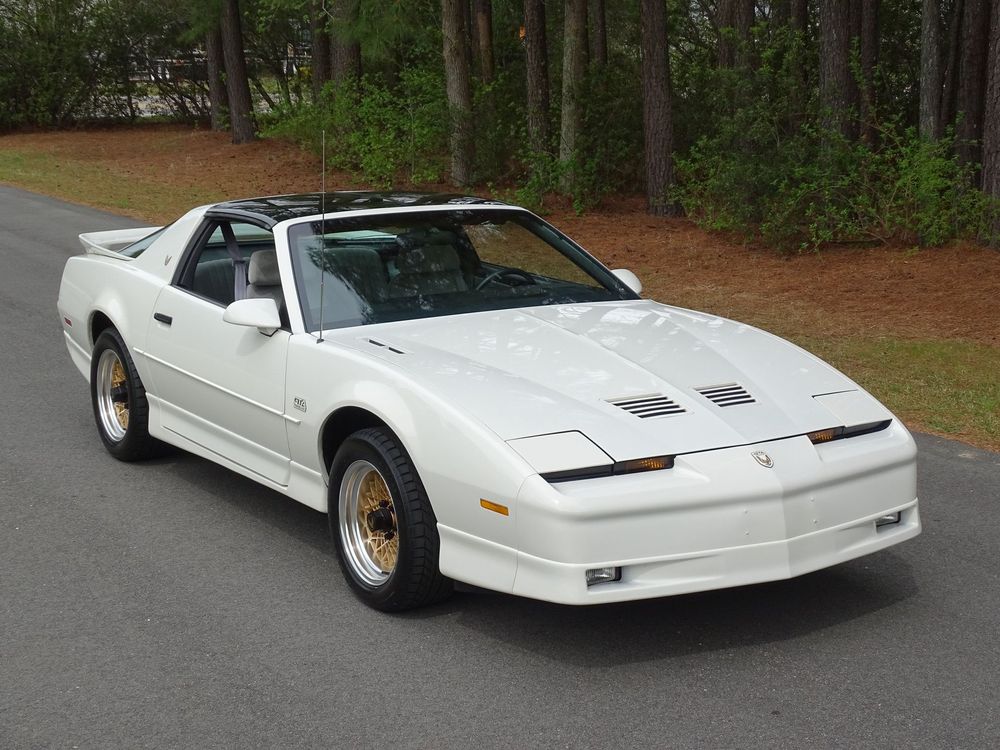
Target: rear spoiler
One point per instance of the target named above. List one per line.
(111, 242)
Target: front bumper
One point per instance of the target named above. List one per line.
(717, 519)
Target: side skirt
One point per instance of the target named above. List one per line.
(304, 485)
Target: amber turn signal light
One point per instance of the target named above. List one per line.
(644, 464)
(503, 510)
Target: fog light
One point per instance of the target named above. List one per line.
(603, 575)
(887, 520)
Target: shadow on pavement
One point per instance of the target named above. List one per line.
(607, 635)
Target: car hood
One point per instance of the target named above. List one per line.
(542, 370)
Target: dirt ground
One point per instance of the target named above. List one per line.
(940, 293)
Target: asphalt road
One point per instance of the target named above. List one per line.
(174, 604)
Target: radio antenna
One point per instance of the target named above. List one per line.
(322, 233)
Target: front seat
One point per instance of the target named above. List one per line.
(361, 269)
(264, 280)
(428, 269)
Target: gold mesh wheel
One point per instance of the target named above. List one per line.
(368, 525)
(112, 395)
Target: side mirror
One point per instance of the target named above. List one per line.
(629, 279)
(261, 313)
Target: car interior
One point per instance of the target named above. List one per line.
(214, 273)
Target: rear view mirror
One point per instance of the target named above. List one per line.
(261, 313)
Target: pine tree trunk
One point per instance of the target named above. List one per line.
(320, 62)
(781, 13)
(853, 47)
(991, 123)
(459, 89)
(949, 84)
(237, 83)
(799, 20)
(657, 112)
(537, 63)
(469, 16)
(725, 19)
(599, 32)
(743, 19)
(869, 52)
(972, 79)
(345, 50)
(216, 86)
(834, 69)
(484, 39)
(930, 70)
(345, 58)
(574, 71)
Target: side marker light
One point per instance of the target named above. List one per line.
(503, 510)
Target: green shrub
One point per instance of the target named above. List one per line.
(384, 133)
(815, 187)
(768, 169)
(608, 157)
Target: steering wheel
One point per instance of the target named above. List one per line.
(506, 272)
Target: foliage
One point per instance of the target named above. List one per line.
(500, 126)
(769, 167)
(48, 63)
(814, 187)
(379, 130)
(609, 157)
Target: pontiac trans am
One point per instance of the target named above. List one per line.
(470, 396)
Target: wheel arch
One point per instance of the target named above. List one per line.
(341, 424)
(99, 322)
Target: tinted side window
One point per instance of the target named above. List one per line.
(211, 272)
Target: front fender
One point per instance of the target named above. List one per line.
(459, 460)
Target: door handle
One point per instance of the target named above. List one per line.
(165, 319)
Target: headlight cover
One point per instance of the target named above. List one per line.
(838, 433)
(653, 463)
(568, 456)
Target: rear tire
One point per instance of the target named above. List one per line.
(383, 526)
(119, 400)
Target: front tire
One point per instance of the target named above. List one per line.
(119, 399)
(383, 526)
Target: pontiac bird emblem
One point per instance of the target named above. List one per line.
(763, 459)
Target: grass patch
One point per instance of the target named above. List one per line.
(99, 185)
(951, 388)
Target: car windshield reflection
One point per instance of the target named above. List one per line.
(375, 269)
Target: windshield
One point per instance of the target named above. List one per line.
(386, 267)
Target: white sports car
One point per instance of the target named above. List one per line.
(472, 397)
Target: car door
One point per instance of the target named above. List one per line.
(221, 385)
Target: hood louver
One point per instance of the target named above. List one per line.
(644, 407)
(382, 344)
(728, 394)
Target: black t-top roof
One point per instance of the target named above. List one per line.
(270, 210)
